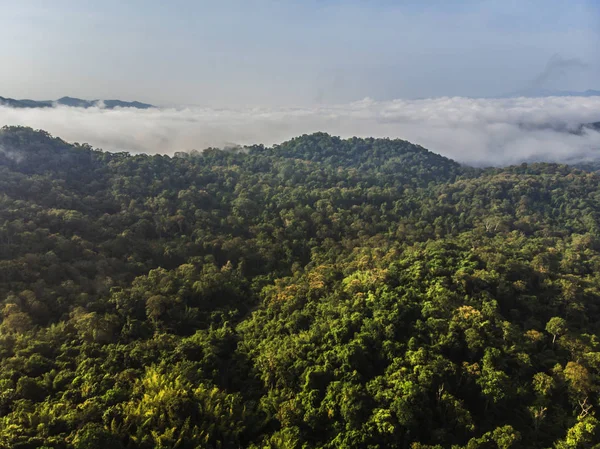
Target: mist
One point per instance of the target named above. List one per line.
(479, 132)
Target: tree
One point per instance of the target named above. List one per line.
(556, 326)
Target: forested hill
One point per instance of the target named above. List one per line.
(321, 293)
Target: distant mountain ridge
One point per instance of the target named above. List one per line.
(537, 93)
(73, 102)
(562, 127)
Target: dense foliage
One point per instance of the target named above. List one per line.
(323, 293)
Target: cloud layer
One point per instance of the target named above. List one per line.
(474, 131)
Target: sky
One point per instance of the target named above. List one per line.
(302, 53)
(434, 72)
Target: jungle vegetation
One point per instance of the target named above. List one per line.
(321, 293)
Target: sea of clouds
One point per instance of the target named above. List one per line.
(473, 131)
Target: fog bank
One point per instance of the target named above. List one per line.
(474, 131)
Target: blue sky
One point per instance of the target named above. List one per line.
(251, 52)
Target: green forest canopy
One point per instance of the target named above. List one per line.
(322, 293)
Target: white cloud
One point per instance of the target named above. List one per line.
(475, 131)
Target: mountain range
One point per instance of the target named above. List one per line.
(73, 102)
(111, 104)
(537, 92)
(562, 127)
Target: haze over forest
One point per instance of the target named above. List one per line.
(474, 131)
